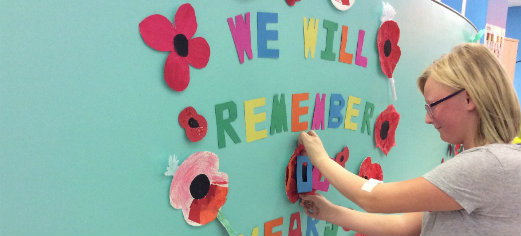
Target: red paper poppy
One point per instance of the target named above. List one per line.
(292, 2)
(195, 125)
(370, 170)
(199, 189)
(385, 127)
(291, 175)
(159, 33)
(388, 49)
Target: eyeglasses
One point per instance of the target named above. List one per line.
(428, 107)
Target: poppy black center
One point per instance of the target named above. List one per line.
(181, 45)
(193, 123)
(200, 186)
(387, 48)
(384, 130)
(365, 177)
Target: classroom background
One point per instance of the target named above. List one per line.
(108, 129)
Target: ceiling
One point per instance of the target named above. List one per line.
(512, 3)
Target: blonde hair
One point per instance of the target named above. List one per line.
(471, 66)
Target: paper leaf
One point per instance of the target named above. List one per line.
(173, 164)
(388, 12)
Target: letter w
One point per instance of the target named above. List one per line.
(310, 36)
(241, 36)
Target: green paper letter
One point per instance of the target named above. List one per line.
(225, 125)
(279, 120)
(328, 53)
(367, 116)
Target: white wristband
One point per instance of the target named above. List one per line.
(370, 184)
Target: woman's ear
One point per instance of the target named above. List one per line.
(470, 104)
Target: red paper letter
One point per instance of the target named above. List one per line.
(295, 232)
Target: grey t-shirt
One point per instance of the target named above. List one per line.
(486, 182)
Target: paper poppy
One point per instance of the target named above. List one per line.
(199, 189)
(291, 175)
(195, 125)
(369, 170)
(292, 2)
(388, 49)
(160, 34)
(385, 127)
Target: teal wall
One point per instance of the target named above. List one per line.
(87, 122)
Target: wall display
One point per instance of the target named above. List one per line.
(99, 97)
(494, 38)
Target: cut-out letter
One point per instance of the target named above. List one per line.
(297, 111)
(250, 119)
(310, 36)
(304, 174)
(279, 120)
(241, 35)
(295, 231)
(350, 112)
(368, 113)
(263, 35)
(318, 115)
(312, 226)
(225, 125)
(360, 60)
(328, 53)
(335, 111)
(268, 227)
(344, 56)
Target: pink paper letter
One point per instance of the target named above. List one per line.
(241, 36)
(360, 60)
(318, 115)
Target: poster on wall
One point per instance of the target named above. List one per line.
(495, 37)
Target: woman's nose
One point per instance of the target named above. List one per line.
(428, 119)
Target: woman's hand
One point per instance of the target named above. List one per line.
(313, 146)
(317, 206)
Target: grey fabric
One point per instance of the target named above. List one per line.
(486, 182)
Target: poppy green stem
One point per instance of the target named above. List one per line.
(226, 224)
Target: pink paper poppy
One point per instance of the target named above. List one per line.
(159, 33)
(199, 189)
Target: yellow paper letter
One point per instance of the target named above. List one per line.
(350, 111)
(310, 36)
(250, 119)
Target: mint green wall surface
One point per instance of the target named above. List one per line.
(87, 122)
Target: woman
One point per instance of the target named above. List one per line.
(470, 101)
